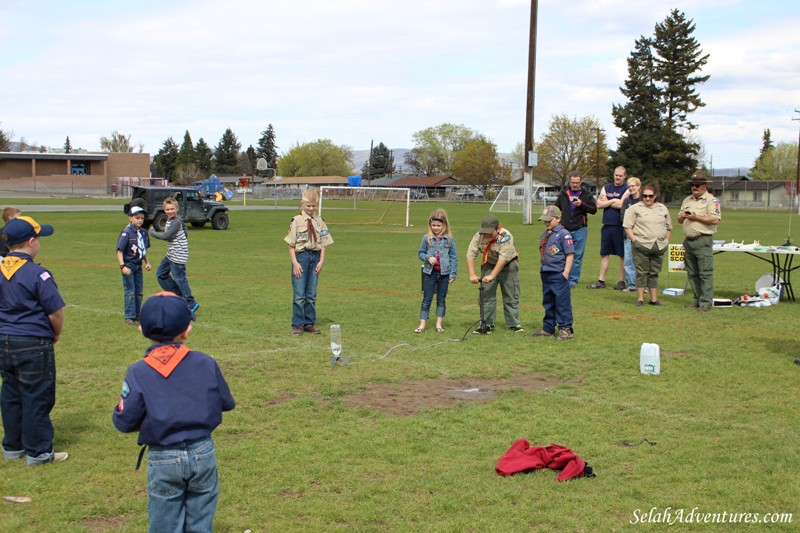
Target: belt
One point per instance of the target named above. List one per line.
(698, 237)
(515, 258)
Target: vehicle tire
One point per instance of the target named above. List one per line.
(160, 222)
(198, 224)
(219, 220)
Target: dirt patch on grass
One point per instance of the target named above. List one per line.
(410, 397)
(105, 523)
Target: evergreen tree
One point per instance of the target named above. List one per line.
(660, 92)
(67, 146)
(226, 154)
(204, 157)
(268, 150)
(186, 154)
(766, 144)
(380, 164)
(678, 58)
(166, 158)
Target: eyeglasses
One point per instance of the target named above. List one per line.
(697, 186)
(648, 196)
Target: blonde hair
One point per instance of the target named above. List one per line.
(439, 215)
(634, 181)
(10, 213)
(310, 196)
(170, 200)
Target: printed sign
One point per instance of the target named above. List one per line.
(676, 253)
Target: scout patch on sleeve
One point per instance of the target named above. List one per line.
(324, 233)
(44, 276)
(504, 238)
(716, 206)
(125, 389)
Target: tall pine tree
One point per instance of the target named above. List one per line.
(165, 159)
(204, 157)
(226, 154)
(380, 164)
(661, 95)
(268, 150)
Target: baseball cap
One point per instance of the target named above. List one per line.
(489, 223)
(135, 210)
(21, 229)
(550, 213)
(699, 178)
(164, 316)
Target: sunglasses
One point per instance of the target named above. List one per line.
(697, 186)
(648, 196)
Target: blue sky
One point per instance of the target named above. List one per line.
(359, 70)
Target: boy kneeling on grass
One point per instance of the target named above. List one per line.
(175, 398)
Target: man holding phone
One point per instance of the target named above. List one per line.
(576, 203)
(700, 214)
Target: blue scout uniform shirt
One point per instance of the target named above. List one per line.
(134, 244)
(553, 249)
(184, 405)
(28, 294)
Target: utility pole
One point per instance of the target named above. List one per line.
(797, 178)
(597, 159)
(530, 155)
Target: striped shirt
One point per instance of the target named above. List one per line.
(177, 241)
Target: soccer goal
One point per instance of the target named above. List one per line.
(365, 205)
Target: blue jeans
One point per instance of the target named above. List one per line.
(182, 486)
(630, 268)
(172, 277)
(133, 285)
(304, 291)
(28, 394)
(432, 283)
(579, 245)
(557, 303)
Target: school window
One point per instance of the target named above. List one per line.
(757, 195)
(735, 196)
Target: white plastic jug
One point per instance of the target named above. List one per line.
(650, 359)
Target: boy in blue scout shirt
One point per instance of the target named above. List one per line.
(556, 253)
(31, 320)
(132, 248)
(175, 398)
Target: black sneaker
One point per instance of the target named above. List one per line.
(478, 331)
(517, 329)
(597, 285)
(619, 286)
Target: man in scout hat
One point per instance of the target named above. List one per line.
(700, 215)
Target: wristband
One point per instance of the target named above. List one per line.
(121, 267)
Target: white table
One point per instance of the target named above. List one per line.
(780, 257)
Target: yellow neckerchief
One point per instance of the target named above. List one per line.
(166, 358)
(10, 265)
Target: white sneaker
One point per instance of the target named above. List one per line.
(60, 456)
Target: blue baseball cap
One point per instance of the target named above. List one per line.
(21, 229)
(164, 316)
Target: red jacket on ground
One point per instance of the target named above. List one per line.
(521, 457)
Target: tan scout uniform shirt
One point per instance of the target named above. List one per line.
(649, 224)
(502, 248)
(299, 236)
(705, 206)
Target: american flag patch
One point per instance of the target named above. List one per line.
(44, 276)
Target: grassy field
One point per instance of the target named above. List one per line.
(383, 445)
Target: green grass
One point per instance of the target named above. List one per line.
(298, 455)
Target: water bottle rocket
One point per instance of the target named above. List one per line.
(336, 346)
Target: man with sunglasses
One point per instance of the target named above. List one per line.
(700, 215)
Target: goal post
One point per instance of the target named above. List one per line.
(511, 199)
(365, 205)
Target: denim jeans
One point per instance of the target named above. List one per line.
(630, 268)
(133, 285)
(28, 394)
(557, 303)
(304, 291)
(579, 245)
(172, 277)
(182, 486)
(432, 283)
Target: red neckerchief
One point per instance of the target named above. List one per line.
(312, 235)
(543, 243)
(486, 251)
(166, 358)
